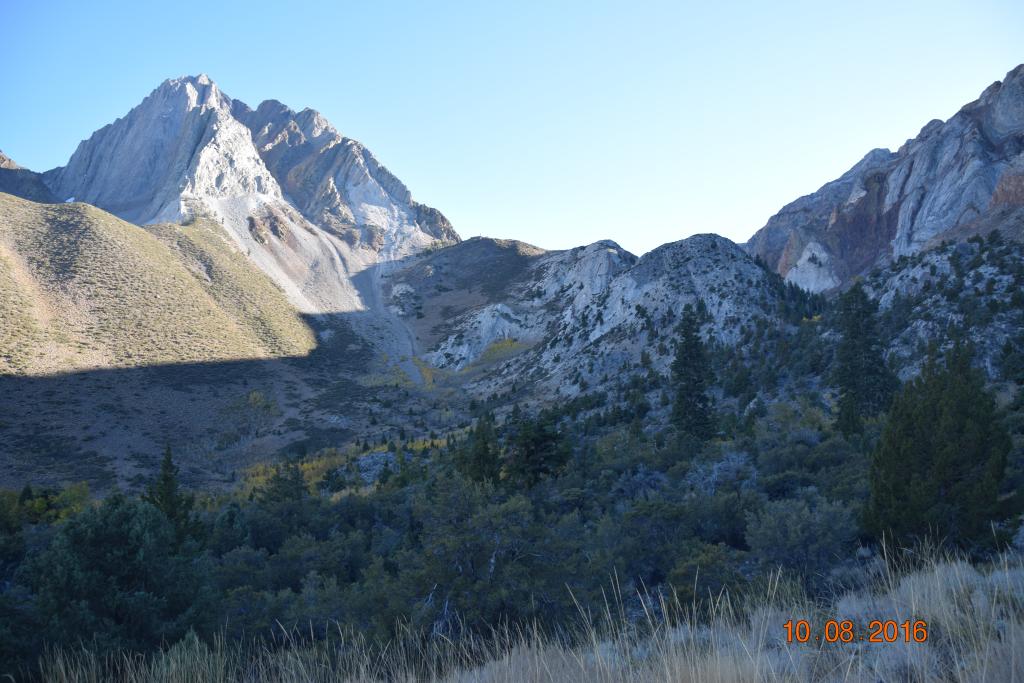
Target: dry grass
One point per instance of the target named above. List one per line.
(80, 288)
(239, 288)
(20, 334)
(500, 350)
(975, 618)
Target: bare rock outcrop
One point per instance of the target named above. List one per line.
(950, 179)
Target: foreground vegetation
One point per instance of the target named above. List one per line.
(475, 556)
(975, 625)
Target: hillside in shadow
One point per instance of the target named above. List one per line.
(109, 423)
(109, 426)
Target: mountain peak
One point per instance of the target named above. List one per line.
(192, 91)
(1013, 78)
(1006, 102)
(180, 142)
(952, 176)
(310, 207)
(1014, 75)
(277, 115)
(338, 184)
(200, 80)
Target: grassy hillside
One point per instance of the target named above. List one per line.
(80, 288)
(239, 289)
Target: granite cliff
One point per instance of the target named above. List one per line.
(956, 178)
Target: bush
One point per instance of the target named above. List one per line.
(112, 574)
(806, 534)
(705, 571)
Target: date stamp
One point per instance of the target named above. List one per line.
(846, 631)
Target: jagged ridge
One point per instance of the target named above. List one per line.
(311, 208)
(956, 177)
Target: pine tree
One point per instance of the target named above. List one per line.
(286, 484)
(479, 458)
(941, 458)
(864, 380)
(848, 419)
(537, 449)
(693, 409)
(165, 495)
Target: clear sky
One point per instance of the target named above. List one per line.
(557, 123)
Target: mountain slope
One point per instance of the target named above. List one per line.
(22, 182)
(956, 177)
(310, 208)
(285, 222)
(80, 288)
(558, 323)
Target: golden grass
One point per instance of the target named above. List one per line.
(500, 350)
(20, 334)
(428, 372)
(239, 288)
(80, 288)
(391, 376)
(975, 620)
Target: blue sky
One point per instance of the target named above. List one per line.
(557, 123)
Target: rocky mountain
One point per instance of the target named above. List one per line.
(502, 313)
(340, 234)
(336, 182)
(956, 178)
(310, 208)
(6, 162)
(973, 289)
(291, 278)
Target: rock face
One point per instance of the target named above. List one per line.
(564, 322)
(312, 209)
(955, 178)
(7, 162)
(971, 286)
(180, 143)
(334, 181)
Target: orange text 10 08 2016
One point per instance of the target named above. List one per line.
(846, 631)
